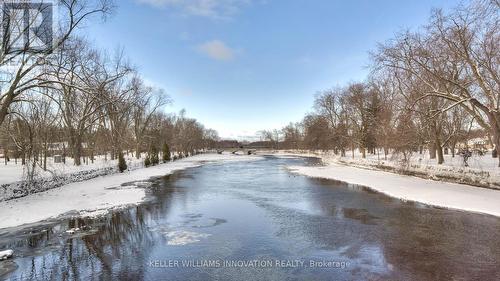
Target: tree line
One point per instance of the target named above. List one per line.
(79, 101)
(432, 89)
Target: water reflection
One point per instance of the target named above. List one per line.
(258, 210)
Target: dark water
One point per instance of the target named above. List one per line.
(221, 217)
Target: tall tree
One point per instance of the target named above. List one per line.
(27, 69)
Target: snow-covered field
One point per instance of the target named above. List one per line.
(57, 174)
(13, 172)
(483, 171)
(97, 195)
(431, 192)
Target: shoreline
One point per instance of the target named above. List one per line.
(98, 195)
(433, 193)
(102, 194)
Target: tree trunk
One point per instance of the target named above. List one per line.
(23, 157)
(5, 154)
(438, 148)
(495, 131)
(4, 106)
(440, 156)
(77, 150)
(64, 153)
(138, 150)
(45, 160)
(496, 140)
(432, 150)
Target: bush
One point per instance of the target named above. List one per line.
(147, 161)
(166, 153)
(155, 160)
(122, 165)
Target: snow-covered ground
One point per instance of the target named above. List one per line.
(431, 192)
(483, 170)
(97, 195)
(13, 172)
(6, 254)
(57, 174)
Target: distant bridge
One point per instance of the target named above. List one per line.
(245, 151)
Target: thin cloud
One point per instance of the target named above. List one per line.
(218, 9)
(217, 50)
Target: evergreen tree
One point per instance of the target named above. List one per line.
(154, 156)
(122, 165)
(166, 153)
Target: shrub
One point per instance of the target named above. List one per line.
(122, 165)
(155, 160)
(166, 153)
(147, 161)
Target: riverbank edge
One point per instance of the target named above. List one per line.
(441, 194)
(442, 173)
(98, 195)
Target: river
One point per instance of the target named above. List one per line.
(255, 220)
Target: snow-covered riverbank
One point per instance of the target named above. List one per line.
(435, 193)
(98, 194)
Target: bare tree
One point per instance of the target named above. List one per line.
(25, 62)
(148, 100)
(456, 59)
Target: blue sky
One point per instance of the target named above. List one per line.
(240, 66)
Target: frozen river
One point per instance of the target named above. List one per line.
(256, 221)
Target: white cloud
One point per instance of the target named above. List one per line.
(217, 50)
(239, 135)
(204, 8)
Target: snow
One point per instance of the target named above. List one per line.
(97, 195)
(12, 172)
(483, 170)
(184, 237)
(6, 254)
(72, 230)
(57, 174)
(434, 193)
